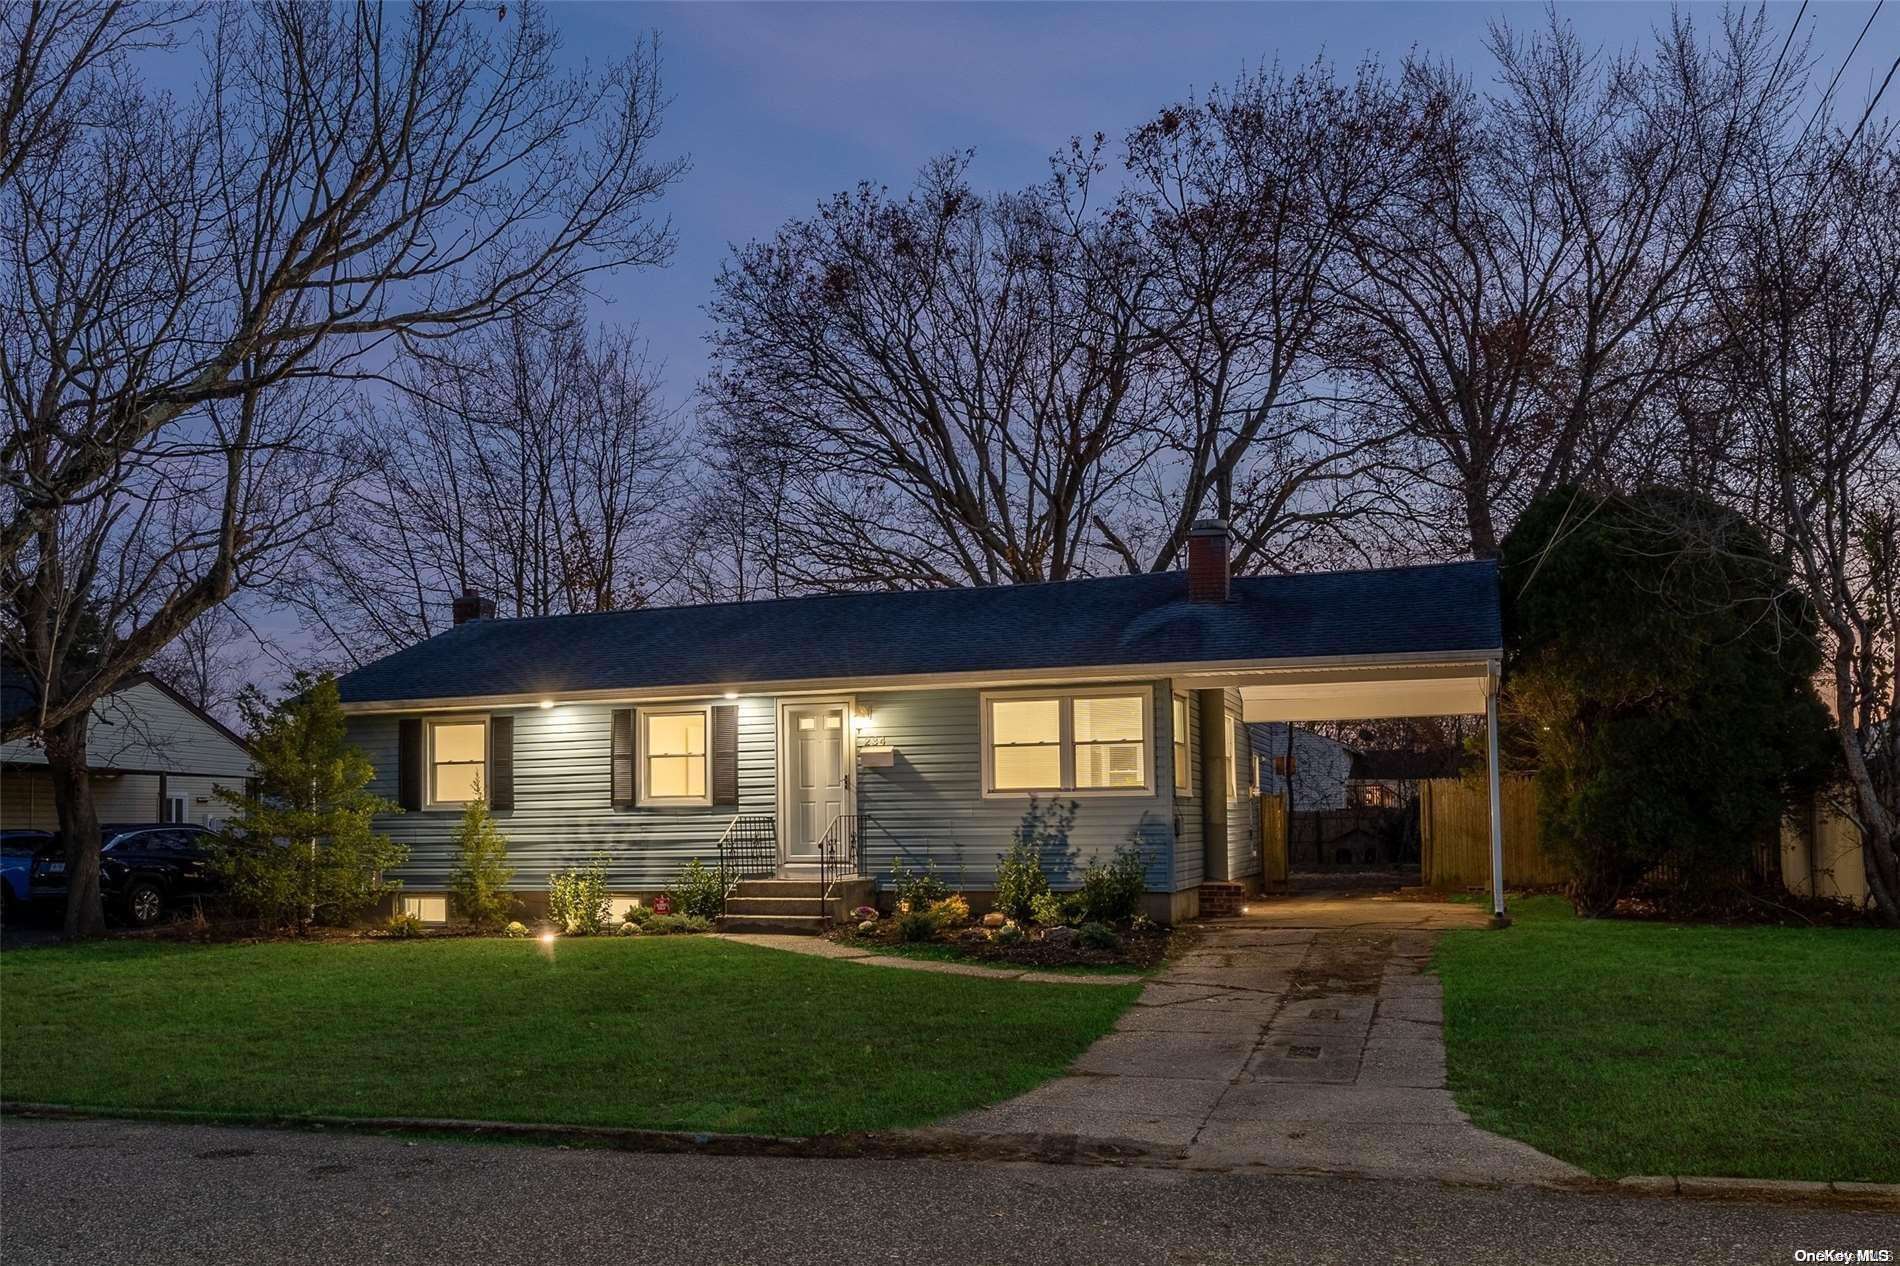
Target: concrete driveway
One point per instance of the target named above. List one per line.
(1303, 1036)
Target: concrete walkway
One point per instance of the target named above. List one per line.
(1303, 1036)
(818, 947)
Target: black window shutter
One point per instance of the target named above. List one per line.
(501, 762)
(409, 763)
(623, 758)
(725, 755)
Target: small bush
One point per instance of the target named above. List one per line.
(629, 929)
(1050, 910)
(916, 890)
(1112, 893)
(1097, 936)
(700, 891)
(917, 925)
(578, 901)
(952, 909)
(403, 926)
(637, 915)
(516, 930)
(1020, 877)
(677, 924)
(1009, 934)
(482, 872)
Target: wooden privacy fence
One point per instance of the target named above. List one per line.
(1454, 828)
(1273, 853)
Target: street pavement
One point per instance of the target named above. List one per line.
(93, 1191)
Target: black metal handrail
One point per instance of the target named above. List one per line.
(837, 856)
(748, 849)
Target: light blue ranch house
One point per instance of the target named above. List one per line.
(808, 744)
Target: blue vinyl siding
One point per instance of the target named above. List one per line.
(563, 815)
(927, 806)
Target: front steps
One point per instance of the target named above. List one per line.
(791, 906)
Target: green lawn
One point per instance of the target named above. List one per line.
(673, 1033)
(1650, 1048)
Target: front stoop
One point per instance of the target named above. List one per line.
(791, 906)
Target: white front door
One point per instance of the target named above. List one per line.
(815, 774)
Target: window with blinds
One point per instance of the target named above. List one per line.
(1075, 741)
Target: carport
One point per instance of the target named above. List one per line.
(1353, 689)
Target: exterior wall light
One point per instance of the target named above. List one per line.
(732, 694)
(546, 704)
(861, 718)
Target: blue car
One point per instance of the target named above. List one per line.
(17, 850)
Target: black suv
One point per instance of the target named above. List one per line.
(143, 868)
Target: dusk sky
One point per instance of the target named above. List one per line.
(780, 105)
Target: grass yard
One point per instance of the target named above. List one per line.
(667, 1033)
(1652, 1048)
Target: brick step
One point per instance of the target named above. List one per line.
(784, 924)
(806, 906)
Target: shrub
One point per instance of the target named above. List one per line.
(629, 929)
(1050, 910)
(516, 930)
(917, 925)
(1020, 877)
(1112, 892)
(482, 872)
(1097, 936)
(637, 915)
(578, 901)
(403, 926)
(300, 847)
(1009, 934)
(677, 924)
(952, 909)
(1659, 675)
(700, 891)
(916, 890)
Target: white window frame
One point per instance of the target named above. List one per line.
(645, 798)
(1066, 740)
(1183, 738)
(176, 808)
(429, 762)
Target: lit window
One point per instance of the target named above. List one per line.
(428, 909)
(1183, 773)
(673, 757)
(1082, 741)
(458, 761)
(1108, 741)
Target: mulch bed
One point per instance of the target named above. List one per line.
(1141, 948)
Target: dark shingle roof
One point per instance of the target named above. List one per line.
(1448, 607)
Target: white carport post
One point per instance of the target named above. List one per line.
(1491, 683)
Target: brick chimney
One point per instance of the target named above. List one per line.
(1207, 561)
(472, 606)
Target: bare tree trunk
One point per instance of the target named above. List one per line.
(78, 824)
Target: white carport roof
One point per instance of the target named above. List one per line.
(1352, 692)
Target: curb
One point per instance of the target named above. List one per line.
(923, 1143)
(1871, 1194)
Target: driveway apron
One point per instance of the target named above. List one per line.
(1303, 1036)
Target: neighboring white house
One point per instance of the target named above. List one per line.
(1321, 766)
(156, 757)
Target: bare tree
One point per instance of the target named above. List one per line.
(1814, 302)
(1240, 209)
(209, 663)
(949, 384)
(531, 462)
(350, 184)
(1535, 281)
